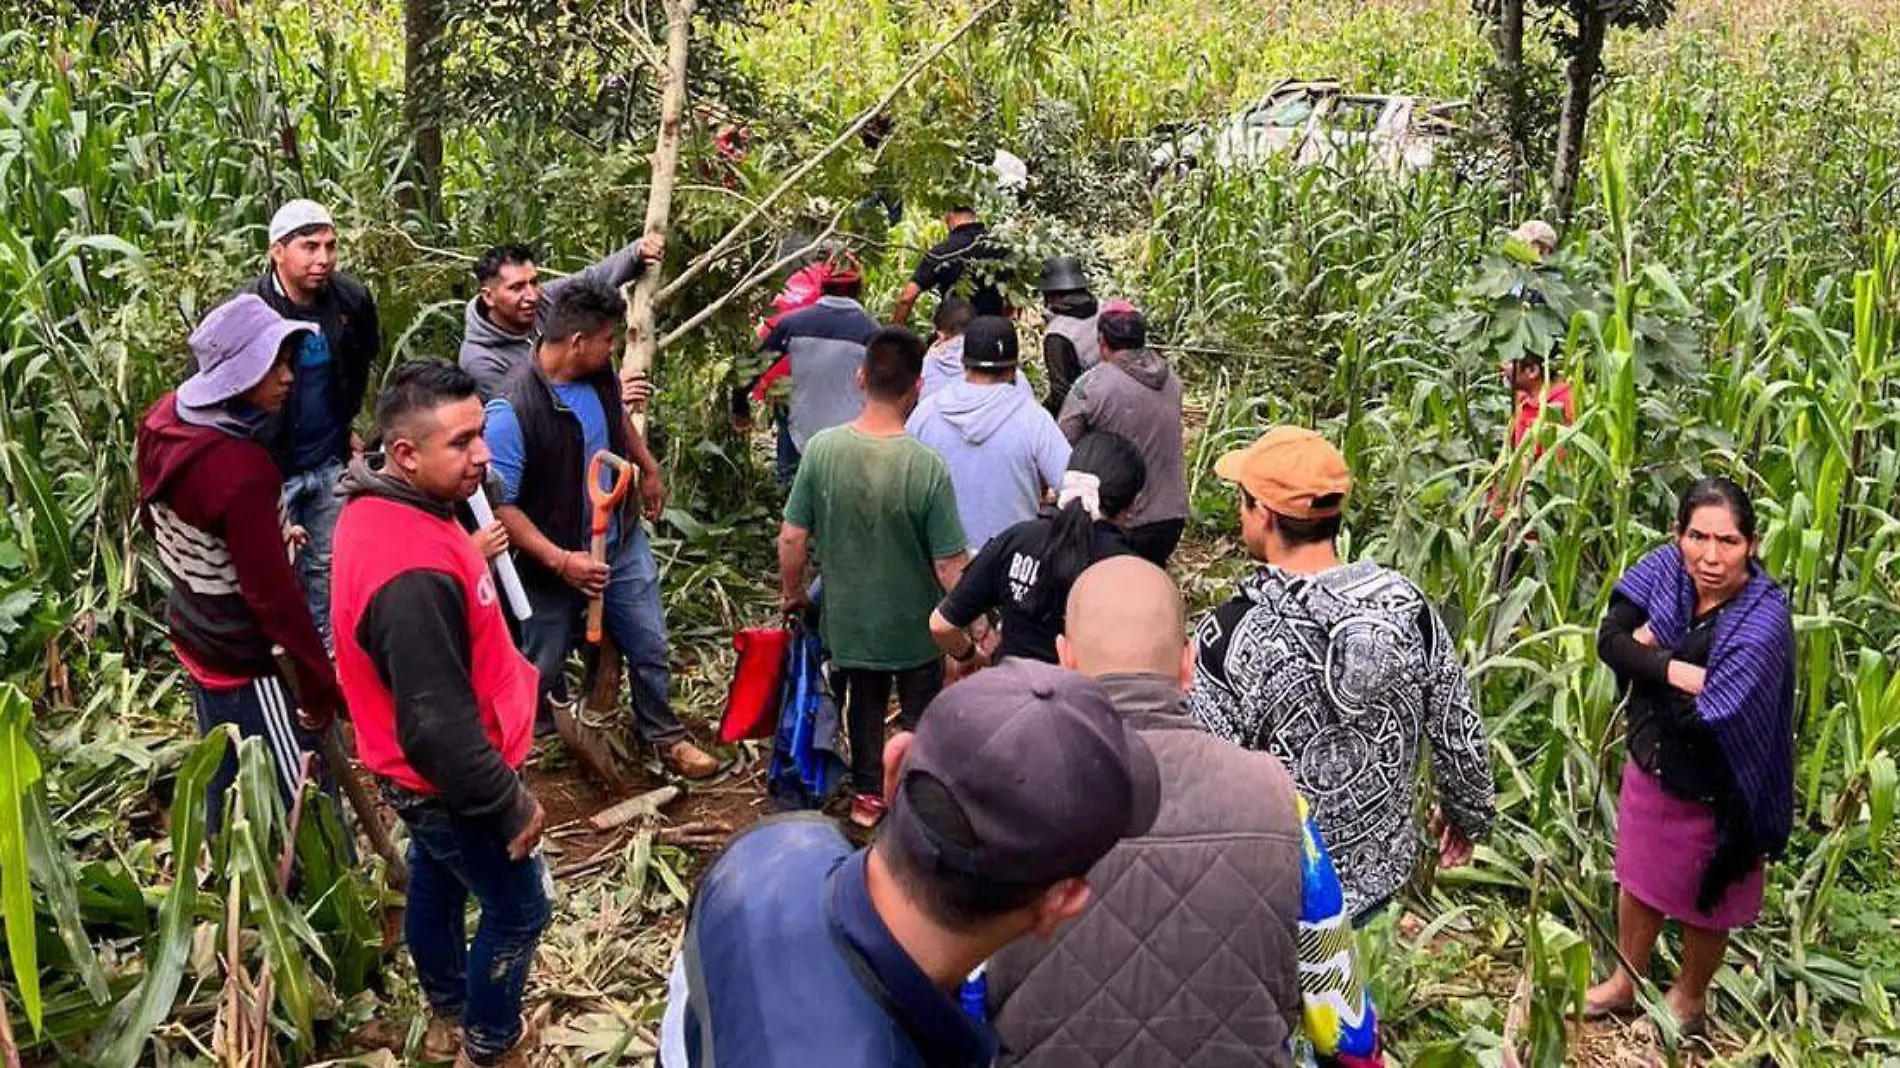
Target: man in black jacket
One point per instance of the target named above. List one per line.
(313, 439)
(968, 262)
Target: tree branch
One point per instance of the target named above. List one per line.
(710, 256)
(634, 29)
(752, 282)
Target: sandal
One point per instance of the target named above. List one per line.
(1594, 1010)
(867, 810)
(1646, 1031)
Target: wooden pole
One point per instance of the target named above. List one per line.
(337, 758)
(642, 335)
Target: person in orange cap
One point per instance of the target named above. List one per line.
(1338, 669)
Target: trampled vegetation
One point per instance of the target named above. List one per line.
(1731, 304)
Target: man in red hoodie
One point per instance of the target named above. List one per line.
(209, 494)
(444, 708)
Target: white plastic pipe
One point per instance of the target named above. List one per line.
(504, 564)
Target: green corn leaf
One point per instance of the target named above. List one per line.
(53, 876)
(282, 929)
(122, 1042)
(19, 775)
(1882, 780)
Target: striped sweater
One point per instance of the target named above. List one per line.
(210, 496)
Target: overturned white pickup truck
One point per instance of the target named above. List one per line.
(1314, 121)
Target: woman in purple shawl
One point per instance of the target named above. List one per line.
(1702, 643)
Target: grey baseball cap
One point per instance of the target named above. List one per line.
(989, 344)
(235, 347)
(1044, 773)
(298, 215)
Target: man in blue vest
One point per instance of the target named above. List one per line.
(544, 424)
(801, 952)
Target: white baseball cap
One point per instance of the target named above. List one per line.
(298, 215)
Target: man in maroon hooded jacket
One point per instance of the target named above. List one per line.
(210, 494)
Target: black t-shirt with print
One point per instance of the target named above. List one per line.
(1007, 574)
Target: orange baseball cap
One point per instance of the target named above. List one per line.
(1293, 471)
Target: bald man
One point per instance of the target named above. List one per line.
(1221, 936)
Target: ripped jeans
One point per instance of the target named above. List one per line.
(452, 857)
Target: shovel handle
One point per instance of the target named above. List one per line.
(596, 605)
(605, 498)
(330, 741)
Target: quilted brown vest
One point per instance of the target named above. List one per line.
(1189, 951)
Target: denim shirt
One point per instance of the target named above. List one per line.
(786, 963)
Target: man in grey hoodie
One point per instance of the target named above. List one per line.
(1002, 448)
(1134, 393)
(502, 321)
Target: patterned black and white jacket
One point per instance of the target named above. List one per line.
(1339, 673)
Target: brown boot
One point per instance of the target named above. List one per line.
(689, 761)
(442, 1041)
(517, 1057)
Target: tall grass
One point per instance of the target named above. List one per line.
(1750, 335)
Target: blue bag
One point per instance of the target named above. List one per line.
(805, 766)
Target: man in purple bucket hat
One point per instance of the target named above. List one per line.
(209, 494)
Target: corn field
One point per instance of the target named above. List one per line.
(1731, 305)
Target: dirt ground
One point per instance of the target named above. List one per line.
(731, 801)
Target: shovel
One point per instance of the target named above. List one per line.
(583, 741)
(605, 500)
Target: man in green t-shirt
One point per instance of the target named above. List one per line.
(878, 508)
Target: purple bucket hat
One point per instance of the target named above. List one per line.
(235, 346)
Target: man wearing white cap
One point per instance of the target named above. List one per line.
(210, 497)
(312, 440)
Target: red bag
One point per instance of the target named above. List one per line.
(752, 702)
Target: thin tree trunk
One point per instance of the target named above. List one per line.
(642, 331)
(422, 44)
(642, 335)
(1510, 42)
(1515, 88)
(1580, 77)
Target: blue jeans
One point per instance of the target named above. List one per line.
(785, 455)
(451, 858)
(632, 616)
(311, 502)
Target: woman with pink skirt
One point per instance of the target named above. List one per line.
(1702, 643)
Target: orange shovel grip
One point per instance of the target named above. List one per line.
(604, 501)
